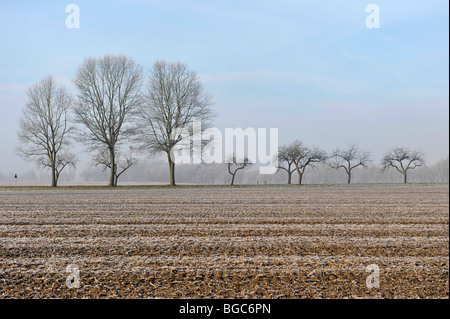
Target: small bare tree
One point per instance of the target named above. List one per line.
(286, 160)
(174, 99)
(349, 159)
(303, 156)
(235, 165)
(109, 92)
(63, 160)
(403, 159)
(44, 128)
(123, 162)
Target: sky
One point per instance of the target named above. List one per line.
(311, 68)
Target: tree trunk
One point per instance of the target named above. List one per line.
(54, 181)
(112, 174)
(116, 177)
(52, 158)
(404, 178)
(300, 175)
(172, 170)
(289, 177)
(232, 178)
(349, 177)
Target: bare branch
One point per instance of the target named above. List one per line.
(123, 161)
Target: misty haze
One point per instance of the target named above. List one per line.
(183, 151)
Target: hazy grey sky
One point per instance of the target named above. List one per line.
(310, 68)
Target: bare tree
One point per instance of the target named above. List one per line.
(44, 128)
(403, 159)
(349, 159)
(63, 160)
(235, 165)
(123, 162)
(109, 92)
(303, 156)
(286, 160)
(175, 98)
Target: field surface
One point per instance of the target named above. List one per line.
(222, 242)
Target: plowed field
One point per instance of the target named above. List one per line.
(222, 242)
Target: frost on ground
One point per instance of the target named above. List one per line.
(266, 242)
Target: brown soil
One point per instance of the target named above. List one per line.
(255, 242)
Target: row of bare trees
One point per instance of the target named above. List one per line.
(115, 105)
(296, 157)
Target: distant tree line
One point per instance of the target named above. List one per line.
(153, 170)
(296, 157)
(116, 104)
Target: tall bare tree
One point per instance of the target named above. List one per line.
(403, 159)
(235, 165)
(303, 156)
(174, 99)
(349, 159)
(44, 127)
(109, 91)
